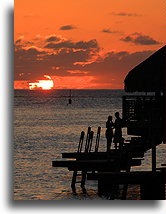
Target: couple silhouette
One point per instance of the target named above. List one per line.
(117, 134)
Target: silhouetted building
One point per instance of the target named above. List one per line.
(144, 115)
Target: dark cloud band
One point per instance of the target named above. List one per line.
(139, 39)
(66, 58)
(125, 14)
(67, 27)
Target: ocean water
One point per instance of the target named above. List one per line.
(45, 125)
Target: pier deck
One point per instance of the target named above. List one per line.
(100, 155)
(112, 168)
(96, 165)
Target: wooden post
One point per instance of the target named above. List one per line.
(153, 135)
(124, 108)
(153, 156)
(152, 138)
(154, 188)
(148, 191)
(163, 115)
(74, 181)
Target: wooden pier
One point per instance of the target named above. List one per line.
(112, 168)
(152, 184)
(144, 118)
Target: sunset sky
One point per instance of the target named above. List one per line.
(86, 44)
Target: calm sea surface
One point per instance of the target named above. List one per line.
(45, 126)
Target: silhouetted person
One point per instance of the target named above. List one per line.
(118, 130)
(109, 132)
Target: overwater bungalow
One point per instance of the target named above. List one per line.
(144, 115)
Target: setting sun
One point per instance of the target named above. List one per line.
(45, 84)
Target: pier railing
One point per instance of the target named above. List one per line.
(136, 108)
(142, 113)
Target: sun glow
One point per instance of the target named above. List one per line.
(45, 84)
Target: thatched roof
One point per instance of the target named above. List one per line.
(148, 76)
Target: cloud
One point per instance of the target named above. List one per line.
(78, 72)
(80, 82)
(67, 27)
(53, 39)
(75, 45)
(109, 31)
(112, 69)
(74, 59)
(33, 61)
(21, 42)
(140, 39)
(27, 61)
(125, 14)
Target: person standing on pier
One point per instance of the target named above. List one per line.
(118, 130)
(109, 132)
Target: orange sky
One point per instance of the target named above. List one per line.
(84, 44)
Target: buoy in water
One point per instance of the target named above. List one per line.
(70, 101)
